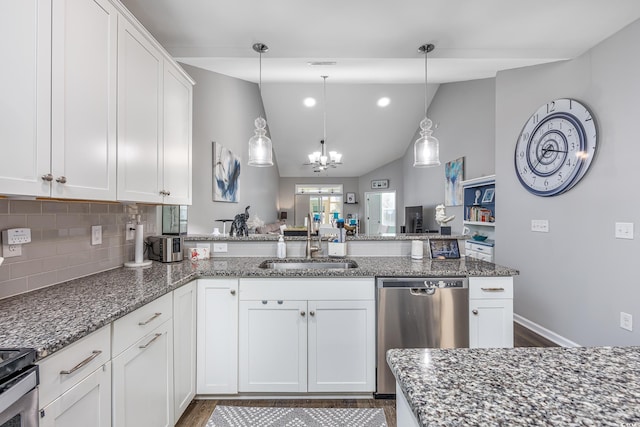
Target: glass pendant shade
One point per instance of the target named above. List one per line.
(426, 149)
(260, 148)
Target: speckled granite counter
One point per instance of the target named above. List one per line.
(597, 386)
(51, 318)
(360, 238)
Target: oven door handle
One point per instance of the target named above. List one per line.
(17, 388)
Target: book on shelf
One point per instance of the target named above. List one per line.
(478, 214)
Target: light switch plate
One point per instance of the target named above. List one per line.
(624, 230)
(96, 235)
(626, 321)
(130, 231)
(540, 225)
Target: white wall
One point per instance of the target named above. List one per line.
(224, 109)
(394, 172)
(577, 278)
(465, 116)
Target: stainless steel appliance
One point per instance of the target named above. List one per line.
(18, 392)
(418, 313)
(165, 248)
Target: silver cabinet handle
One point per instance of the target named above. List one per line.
(61, 179)
(150, 342)
(233, 291)
(94, 354)
(280, 301)
(312, 313)
(475, 312)
(48, 177)
(264, 301)
(150, 319)
(493, 289)
(163, 193)
(302, 313)
(167, 193)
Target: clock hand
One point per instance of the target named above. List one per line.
(551, 150)
(544, 154)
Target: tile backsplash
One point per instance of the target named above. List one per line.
(60, 247)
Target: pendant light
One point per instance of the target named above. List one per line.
(260, 148)
(426, 148)
(319, 159)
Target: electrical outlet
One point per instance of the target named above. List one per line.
(540, 225)
(626, 321)
(130, 231)
(624, 230)
(96, 235)
(219, 247)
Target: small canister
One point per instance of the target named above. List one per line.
(417, 248)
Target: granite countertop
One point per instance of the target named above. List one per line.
(359, 238)
(51, 318)
(597, 386)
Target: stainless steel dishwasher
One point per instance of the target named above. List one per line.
(418, 313)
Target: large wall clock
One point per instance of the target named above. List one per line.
(556, 147)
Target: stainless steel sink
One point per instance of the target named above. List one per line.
(309, 265)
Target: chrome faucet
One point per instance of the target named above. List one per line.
(311, 249)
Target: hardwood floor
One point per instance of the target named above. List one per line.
(199, 411)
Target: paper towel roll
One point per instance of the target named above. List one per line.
(417, 249)
(139, 246)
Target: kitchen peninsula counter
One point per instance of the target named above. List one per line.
(350, 238)
(51, 318)
(520, 386)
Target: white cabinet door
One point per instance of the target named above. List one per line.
(88, 403)
(139, 116)
(217, 366)
(341, 346)
(273, 346)
(83, 126)
(490, 323)
(177, 96)
(143, 381)
(184, 347)
(25, 103)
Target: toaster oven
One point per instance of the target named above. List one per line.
(165, 248)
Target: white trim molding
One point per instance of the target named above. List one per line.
(542, 331)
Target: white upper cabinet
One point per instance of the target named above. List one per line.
(139, 116)
(177, 95)
(83, 126)
(25, 104)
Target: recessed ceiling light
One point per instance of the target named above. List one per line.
(383, 102)
(309, 102)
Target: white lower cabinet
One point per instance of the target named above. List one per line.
(143, 366)
(307, 335)
(87, 403)
(184, 347)
(490, 312)
(217, 336)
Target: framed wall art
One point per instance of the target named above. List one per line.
(454, 174)
(226, 174)
(351, 198)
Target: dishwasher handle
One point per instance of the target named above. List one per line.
(421, 292)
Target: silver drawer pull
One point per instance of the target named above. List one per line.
(94, 354)
(233, 291)
(150, 342)
(475, 312)
(493, 289)
(48, 177)
(150, 319)
(61, 179)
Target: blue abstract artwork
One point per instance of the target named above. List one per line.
(226, 174)
(454, 174)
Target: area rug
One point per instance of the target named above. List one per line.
(249, 416)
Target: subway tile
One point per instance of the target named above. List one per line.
(5, 272)
(79, 258)
(13, 221)
(23, 269)
(83, 208)
(71, 246)
(41, 221)
(53, 263)
(37, 250)
(4, 206)
(107, 219)
(99, 208)
(116, 208)
(68, 220)
(13, 287)
(79, 232)
(25, 207)
(55, 207)
(42, 280)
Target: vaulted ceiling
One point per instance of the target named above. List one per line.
(374, 46)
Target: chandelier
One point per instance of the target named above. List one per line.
(319, 159)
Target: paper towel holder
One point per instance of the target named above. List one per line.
(139, 260)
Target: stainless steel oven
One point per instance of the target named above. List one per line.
(18, 388)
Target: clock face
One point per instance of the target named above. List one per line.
(556, 147)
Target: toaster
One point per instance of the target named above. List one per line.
(165, 248)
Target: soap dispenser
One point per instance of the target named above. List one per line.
(282, 248)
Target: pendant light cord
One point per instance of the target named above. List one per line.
(425, 83)
(324, 116)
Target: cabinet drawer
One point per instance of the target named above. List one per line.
(479, 255)
(470, 246)
(130, 328)
(67, 367)
(490, 287)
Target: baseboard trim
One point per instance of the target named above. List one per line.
(544, 332)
